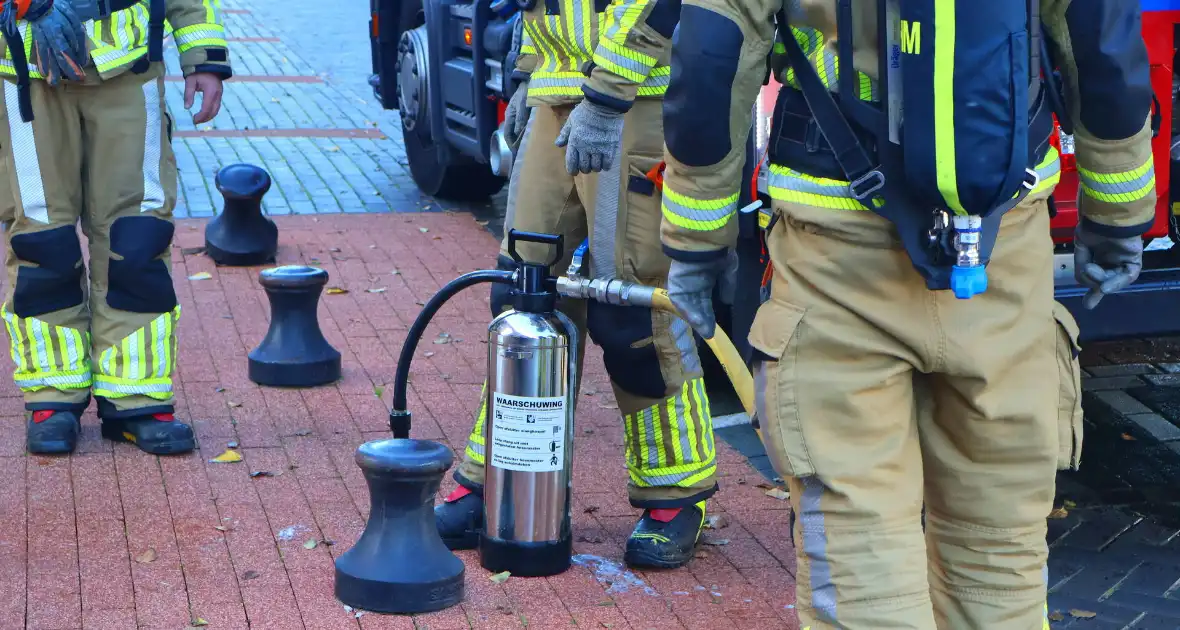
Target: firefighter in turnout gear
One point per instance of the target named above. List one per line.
(882, 397)
(595, 74)
(86, 139)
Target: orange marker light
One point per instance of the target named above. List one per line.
(467, 36)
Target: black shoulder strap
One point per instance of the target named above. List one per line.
(156, 15)
(20, 64)
(865, 178)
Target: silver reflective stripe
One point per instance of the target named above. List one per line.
(581, 36)
(657, 80)
(73, 340)
(24, 157)
(1049, 170)
(800, 184)
(514, 177)
(476, 448)
(540, 83)
(132, 362)
(107, 356)
(611, 188)
(153, 190)
(693, 214)
(160, 332)
(620, 9)
(1118, 188)
(38, 334)
(649, 426)
(634, 65)
(75, 380)
(138, 388)
(815, 547)
(686, 344)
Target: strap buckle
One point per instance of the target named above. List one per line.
(867, 185)
(1033, 180)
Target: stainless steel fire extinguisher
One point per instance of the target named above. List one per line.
(531, 395)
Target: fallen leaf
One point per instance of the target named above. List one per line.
(381, 290)
(303, 432)
(701, 555)
(716, 521)
(443, 338)
(228, 457)
(234, 405)
(372, 247)
(219, 389)
(1059, 513)
(221, 528)
(778, 493)
(336, 291)
(262, 473)
(311, 544)
(396, 272)
(199, 622)
(427, 354)
(424, 230)
(715, 542)
(204, 275)
(378, 390)
(147, 556)
(334, 249)
(250, 575)
(1128, 437)
(1056, 616)
(438, 238)
(590, 509)
(500, 577)
(607, 405)
(588, 431)
(481, 222)
(764, 486)
(1082, 614)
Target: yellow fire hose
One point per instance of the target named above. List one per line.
(630, 293)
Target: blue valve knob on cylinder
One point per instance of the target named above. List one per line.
(967, 282)
(969, 275)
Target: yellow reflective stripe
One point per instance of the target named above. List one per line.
(790, 186)
(1048, 172)
(701, 397)
(211, 7)
(697, 214)
(946, 170)
(196, 35)
(45, 343)
(623, 16)
(1120, 187)
(475, 441)
(629, 64)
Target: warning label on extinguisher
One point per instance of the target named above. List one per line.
(527, 434)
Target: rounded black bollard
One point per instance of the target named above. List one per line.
(400, 564)
(241, 235)
(294, 352)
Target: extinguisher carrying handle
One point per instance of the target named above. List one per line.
(556, 240)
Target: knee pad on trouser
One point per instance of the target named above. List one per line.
(56, 281)
(138, 280)
(629, 351)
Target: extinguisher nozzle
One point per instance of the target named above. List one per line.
(399, 424)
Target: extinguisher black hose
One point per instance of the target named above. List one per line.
(399, 416)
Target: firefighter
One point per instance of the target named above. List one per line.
(595, 77)
(86, 139)
(881, 399)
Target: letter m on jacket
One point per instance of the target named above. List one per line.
(911, 37)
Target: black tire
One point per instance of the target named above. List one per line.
(464, 181)
(459, 179)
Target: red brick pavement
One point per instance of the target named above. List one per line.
(111, 538)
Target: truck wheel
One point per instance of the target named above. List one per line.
(461, 180)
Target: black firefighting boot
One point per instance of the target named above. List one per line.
(155, 433)
(52, 432)
(665, 538)
(460, 519)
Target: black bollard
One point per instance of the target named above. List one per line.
(241, 235)
(294, 352)
(400, 564)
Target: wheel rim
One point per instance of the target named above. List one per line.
(413, 70)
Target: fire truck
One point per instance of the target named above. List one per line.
(444, 65)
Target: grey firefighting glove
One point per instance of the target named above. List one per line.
(516, 115)
(592, 136)
(60, 46)
(690, 287)
(1105, 264)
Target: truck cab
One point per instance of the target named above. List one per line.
(440, 63)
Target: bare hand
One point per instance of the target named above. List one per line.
(210, 87)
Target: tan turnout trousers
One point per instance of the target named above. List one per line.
(651, 356)
(96, 154)
(878, 396)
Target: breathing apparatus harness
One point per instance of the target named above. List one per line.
(86, 10)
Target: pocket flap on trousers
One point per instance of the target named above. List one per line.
(1069, 325)
(774, 325)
